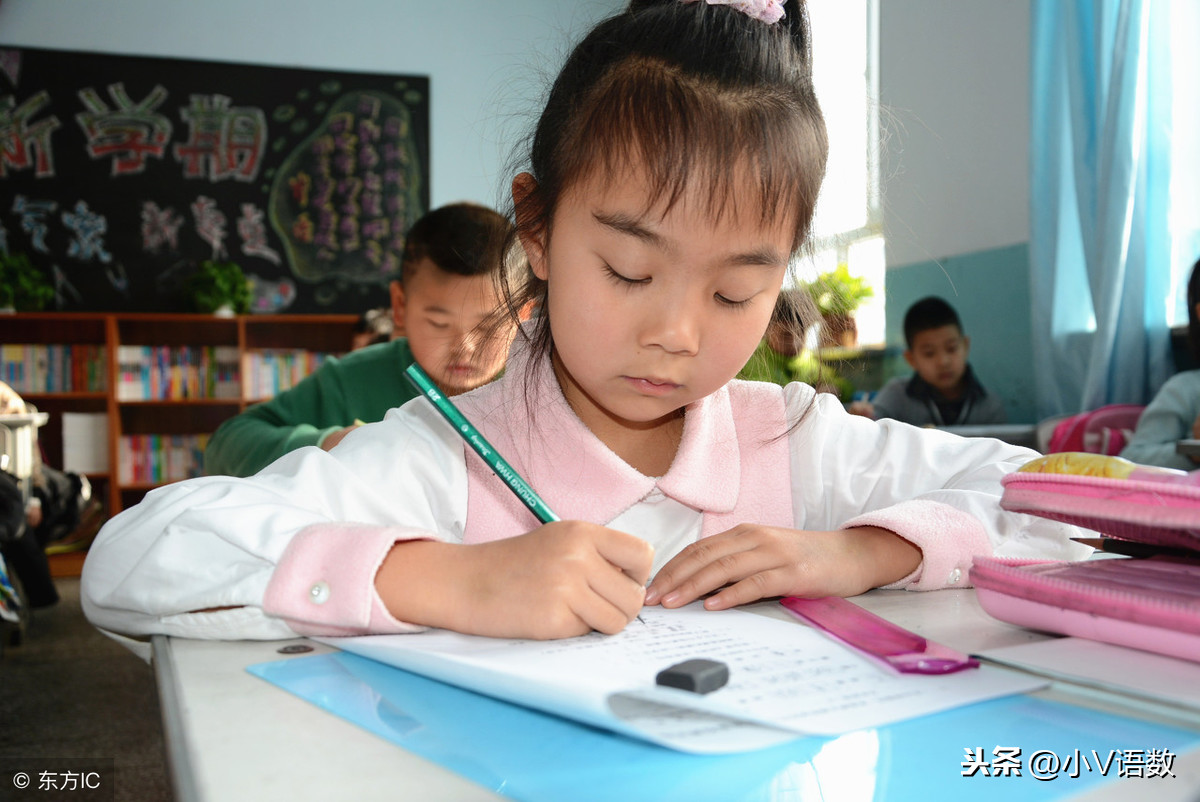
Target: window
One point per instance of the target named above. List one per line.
(848, 226)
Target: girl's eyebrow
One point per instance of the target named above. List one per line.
(630, 226)
(621, 223)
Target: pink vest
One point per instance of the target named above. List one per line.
(733, 461)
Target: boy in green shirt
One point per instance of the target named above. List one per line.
(446, 288)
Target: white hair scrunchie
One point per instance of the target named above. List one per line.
(769, 11)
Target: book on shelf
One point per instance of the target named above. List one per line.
(177, 373)
(85, 442)
(54, 368)
(160, 458)
(270, 371)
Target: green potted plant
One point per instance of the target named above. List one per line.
(837, 294)
(220, 288)
(809, 368)
(23, 287)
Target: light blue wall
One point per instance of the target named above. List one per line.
(990, 291)
(488, 62)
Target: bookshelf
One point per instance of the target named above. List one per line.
(155, 386)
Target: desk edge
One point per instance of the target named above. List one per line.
(183, 774)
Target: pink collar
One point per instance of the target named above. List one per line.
(561, 458)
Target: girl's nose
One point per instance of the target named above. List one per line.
(673, 327)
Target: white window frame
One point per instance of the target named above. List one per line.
(830, 248)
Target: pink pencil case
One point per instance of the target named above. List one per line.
(1150, 603)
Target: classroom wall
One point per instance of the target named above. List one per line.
(954, 92)
(488, 62)
(954, 77)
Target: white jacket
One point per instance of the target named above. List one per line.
(294, 549)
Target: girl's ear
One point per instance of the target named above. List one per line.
(530, 228)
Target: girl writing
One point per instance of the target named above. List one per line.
(671, 181)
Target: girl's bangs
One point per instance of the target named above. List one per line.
(691, 137)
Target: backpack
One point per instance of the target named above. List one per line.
(1104, 430)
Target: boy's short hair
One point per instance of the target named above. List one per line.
(929, 313)
(466, 239)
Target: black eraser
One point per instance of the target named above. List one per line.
(698, 675)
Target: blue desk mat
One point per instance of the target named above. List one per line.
(535, 757)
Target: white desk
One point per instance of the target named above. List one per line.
(1018, 434)
(232, 736)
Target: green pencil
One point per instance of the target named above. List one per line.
(477, 441)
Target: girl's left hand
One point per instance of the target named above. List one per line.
(752, 562)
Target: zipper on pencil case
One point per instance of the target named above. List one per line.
(1181, 611)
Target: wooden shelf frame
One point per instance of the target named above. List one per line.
(247, 333)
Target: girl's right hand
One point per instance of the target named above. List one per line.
(563, 579)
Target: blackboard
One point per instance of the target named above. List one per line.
(119, 174)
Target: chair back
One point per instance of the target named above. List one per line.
(1104, 430)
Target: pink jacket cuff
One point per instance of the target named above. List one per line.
(949, 540)
(324, 583)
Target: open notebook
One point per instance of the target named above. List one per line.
(786, 679)
(522, 753)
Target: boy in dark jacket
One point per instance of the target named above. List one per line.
(943, 391)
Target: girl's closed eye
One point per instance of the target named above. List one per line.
(618, 278)
(738, 291)
(734, 304)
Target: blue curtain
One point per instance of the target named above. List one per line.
(1100, 169)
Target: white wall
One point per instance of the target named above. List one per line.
(488, 62)
(954, 78)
